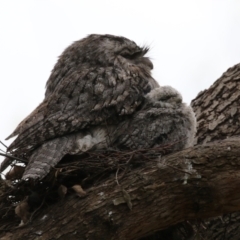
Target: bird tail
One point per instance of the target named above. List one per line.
(46, 157)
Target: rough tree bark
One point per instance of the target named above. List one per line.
(194, 184)
(217, 108)
(218, 116)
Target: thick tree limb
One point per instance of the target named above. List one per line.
(196, 183)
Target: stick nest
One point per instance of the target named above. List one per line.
(71, 175)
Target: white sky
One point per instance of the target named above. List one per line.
(192, 43)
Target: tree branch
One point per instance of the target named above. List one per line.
(196, 183)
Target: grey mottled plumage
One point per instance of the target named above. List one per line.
(101, 94)
(163, 120)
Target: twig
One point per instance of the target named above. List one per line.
(3, 144)
(43, 201)
(116, 178)
(12, 157)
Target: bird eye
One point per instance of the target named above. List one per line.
(132, 56)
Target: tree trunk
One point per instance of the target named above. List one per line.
(217, 108)
(218, 117)
(181, 188)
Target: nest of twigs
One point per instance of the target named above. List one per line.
(74, 174)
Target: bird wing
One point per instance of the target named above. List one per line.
(92, 96)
